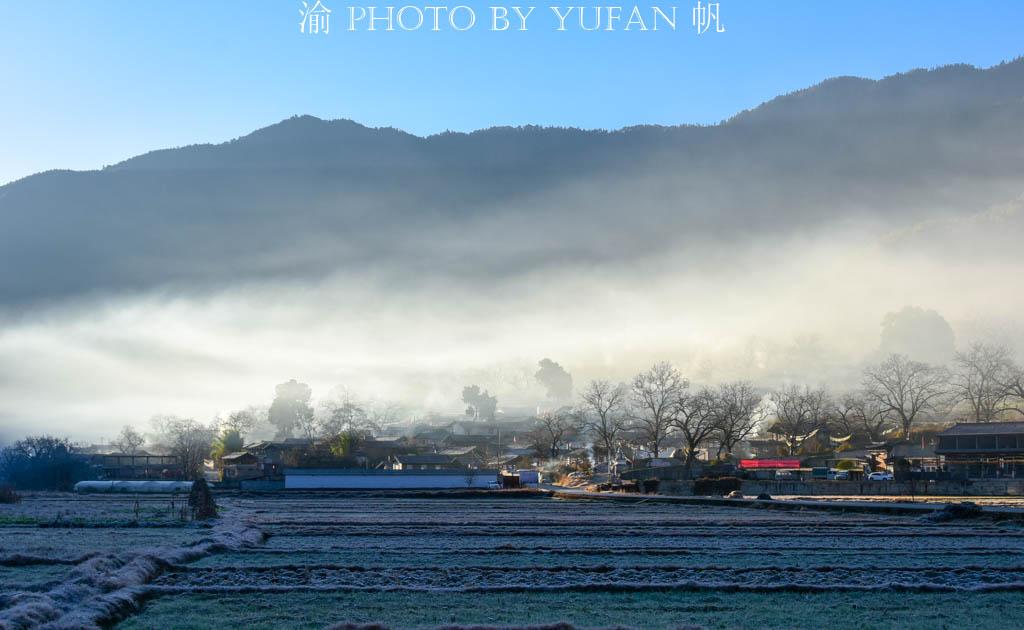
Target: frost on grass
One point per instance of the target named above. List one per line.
(397, 548)
(107, 587)
(550, 626)
(408, 545)
(594, 578)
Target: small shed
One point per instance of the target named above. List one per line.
(241, 465)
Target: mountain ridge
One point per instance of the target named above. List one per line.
(766, 112)
(893, 151)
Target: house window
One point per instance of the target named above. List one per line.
(964, 443)
(947, 442)
(987, 442)
(1007, 442)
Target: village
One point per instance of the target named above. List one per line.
(468, 454)
(409, 316)
(655, 434)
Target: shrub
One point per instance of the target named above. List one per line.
(716, 487)
(200, 500)
(651, 486)
(42, 463)
(955, 511)
(9, 495)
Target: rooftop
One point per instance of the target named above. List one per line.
(289, 443)
(433, 435)
(461, 450)
(237, 455)
(466, 440)
(423, 459)
(515, 452)
(384, 443)
(985, 428)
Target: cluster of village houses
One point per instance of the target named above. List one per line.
(473, 453)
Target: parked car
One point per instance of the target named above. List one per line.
(838, 475)
(880, 476)
(786, 475)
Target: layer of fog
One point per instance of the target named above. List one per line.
(770, 247)
(805, 307)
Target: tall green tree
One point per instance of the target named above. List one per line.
(290, 409)
(228, 441)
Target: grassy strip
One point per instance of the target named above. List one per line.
(658, 609)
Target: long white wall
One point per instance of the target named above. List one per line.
(385, 481)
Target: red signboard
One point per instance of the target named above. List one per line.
(769, 463)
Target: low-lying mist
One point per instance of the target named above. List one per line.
(773, 309)
(776, 246)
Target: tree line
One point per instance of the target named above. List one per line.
(983, 384)
(655, 405)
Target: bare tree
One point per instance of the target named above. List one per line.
(186, 439)
(1015, 390)
(843, 419)
(854, 413)
(548, 436)
(696, 420)
(382, 413)
(656, 396)
(341, 414)
(603, 406)
(979, 380)
(241, 421)
(905, 388)
(799, 412)
(738, 414)
(129, 441)
(307, 424)
(343, 422)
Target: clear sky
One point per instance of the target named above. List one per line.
(90, 82)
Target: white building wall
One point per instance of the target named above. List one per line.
(395, 481)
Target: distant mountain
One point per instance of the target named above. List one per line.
(307, 197)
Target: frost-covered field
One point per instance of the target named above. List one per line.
(313, 560)
(72, 561)
(1010, 502)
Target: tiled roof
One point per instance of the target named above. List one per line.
(236, 455)
(423, 459)
(985, 428)
(454, 452)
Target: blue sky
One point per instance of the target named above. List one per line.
(90, 82)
